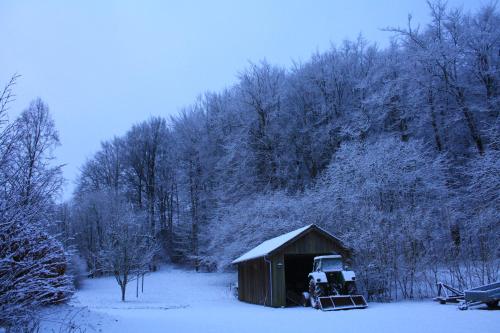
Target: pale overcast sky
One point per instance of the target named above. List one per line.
(105, 65)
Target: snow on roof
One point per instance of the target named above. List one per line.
(270, 245)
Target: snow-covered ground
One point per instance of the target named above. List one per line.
(176, 300)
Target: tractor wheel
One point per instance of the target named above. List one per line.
(304, 300)
(351, 289)
(492, 304)
(315, 291)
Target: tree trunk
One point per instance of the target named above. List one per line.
(437, 137)
(123, 286)
(471, 124)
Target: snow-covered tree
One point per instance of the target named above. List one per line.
(127, 249)
(33, 263)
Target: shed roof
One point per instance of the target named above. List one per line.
(275, 243)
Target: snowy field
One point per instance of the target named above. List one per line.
(176, 300)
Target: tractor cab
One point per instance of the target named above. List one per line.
(330, 263)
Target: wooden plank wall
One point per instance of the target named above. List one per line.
(253, 282)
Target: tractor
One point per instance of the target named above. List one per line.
(331, 286)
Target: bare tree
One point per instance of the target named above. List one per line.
(127, 249)
(37, 137)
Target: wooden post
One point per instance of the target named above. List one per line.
(137, 287)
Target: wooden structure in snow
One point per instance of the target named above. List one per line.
(281, 265)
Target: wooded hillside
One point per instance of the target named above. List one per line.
(395, 150)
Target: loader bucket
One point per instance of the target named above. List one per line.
(342, 302)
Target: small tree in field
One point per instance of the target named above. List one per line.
(127, 248)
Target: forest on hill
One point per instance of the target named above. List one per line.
(395, 150)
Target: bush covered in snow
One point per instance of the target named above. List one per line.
(32, 272)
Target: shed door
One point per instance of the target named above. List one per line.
(297, 268)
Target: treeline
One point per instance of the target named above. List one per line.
(34, 265)
(394, 150)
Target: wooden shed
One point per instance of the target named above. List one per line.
(280, 265)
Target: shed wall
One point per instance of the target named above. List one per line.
(253, 282)
(313, 242)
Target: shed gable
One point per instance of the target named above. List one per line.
(312, 242)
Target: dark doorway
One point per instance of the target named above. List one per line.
(297, 267)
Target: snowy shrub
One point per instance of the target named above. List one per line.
(384, 198)
(479, 230)
(32, 272)
(246, 224)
